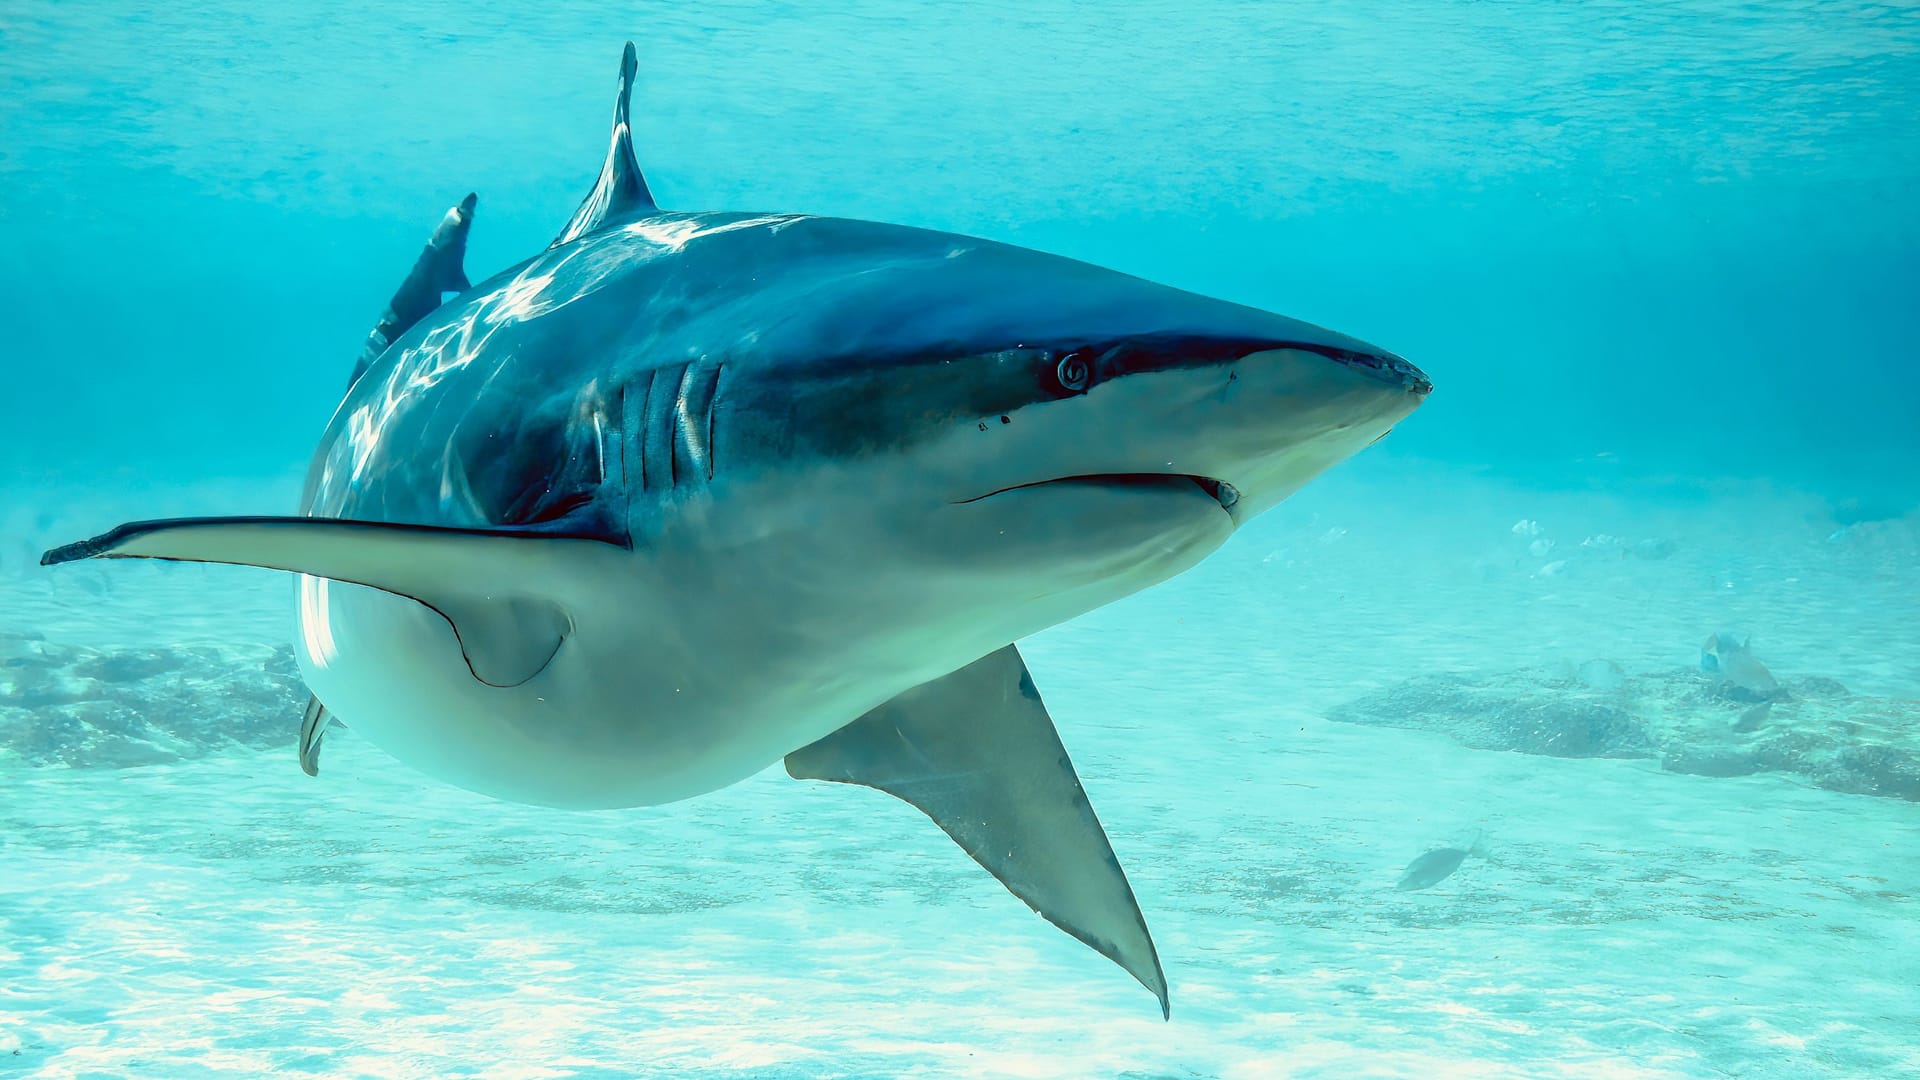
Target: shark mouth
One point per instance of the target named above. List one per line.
(1223, 493)
(1219, 491)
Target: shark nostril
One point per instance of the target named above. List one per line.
(1384, 366)
(1413, 378)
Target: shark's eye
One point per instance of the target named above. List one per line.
(1073, 372)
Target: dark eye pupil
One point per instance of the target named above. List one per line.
(1073, 373)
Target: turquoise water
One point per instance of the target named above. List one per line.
(1660, 263)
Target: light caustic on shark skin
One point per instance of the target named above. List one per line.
(686, 494)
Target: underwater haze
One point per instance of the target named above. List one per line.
(1571, 731)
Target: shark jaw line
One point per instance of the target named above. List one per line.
(1219, 491)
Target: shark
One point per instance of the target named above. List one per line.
(686, 495)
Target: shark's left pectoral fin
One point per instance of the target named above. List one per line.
(506, 592)
(976, 751)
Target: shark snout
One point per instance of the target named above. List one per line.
(1293, 390)
(1289, 413)
(1388, 368)
(1404, 374)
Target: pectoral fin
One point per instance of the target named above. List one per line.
(977, 752)
(506, 592)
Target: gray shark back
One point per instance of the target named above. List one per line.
(688, 339)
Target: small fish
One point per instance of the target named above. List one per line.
(1437, 866)
(1753, 718)
(1735, 660)
(1710, 651)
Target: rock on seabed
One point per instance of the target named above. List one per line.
(1683, 718)
(87, 708)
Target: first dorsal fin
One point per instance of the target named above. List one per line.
(621, 191)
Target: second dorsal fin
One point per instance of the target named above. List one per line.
(621, 191)
(440, 269)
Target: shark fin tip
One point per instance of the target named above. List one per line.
(89, 548)
(621, 191)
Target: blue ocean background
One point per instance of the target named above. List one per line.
(1662, 262)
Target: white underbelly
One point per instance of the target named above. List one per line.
(584, 733)
(658, 694)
